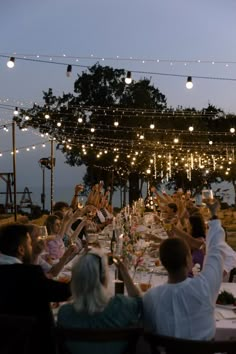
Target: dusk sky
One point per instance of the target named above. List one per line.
(173, 30)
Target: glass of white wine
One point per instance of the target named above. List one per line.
(43, 233)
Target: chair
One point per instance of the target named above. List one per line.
(16, 334)
(232, 275)
(173, 345)
(97, 336)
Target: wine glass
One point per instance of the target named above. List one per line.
(43, 233)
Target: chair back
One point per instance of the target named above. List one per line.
(91, 337)
(172, 345)
(16, 334)
(232, 275)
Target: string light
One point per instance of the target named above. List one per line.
(128, 78)
(16, 112)
(152, 125)
(11, 62)
(191, 129)
(116, 123)
(69, 70)
(232, 130)
(189, 83)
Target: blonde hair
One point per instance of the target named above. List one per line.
(89, 283)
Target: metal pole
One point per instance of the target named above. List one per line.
(52, 174)
(14, 166)
(43, 189)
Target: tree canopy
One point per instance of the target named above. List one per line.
(119, 130)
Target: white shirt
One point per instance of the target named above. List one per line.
(5, 259)
(186, 309)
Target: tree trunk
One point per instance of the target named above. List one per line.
(134, 192)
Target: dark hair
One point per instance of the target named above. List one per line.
(173, 206)
(60, 205)
(173, 254)
(50, 221)
(11, 237)
(198, 225)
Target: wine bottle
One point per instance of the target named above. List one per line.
(113, 242)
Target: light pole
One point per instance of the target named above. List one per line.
(44, 162)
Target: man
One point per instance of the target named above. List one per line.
(184, 307)
(25, 290)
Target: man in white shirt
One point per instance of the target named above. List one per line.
(184, 307)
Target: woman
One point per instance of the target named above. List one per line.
(55, 246)
(195, 237)
(93, 305)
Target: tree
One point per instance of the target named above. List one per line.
(126, 132)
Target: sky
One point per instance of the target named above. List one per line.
(152, 29)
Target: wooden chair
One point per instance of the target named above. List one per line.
(16, 334)
(97, 336)
(173, 345)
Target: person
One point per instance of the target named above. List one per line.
(38, 247)
(184, 307)
(195, 237)
(94, 307)
(25, 290)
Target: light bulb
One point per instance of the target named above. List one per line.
(11, 63)
(148, 171)
(47, 116)
(176, 140)
(16, 112)
(152, 125)
(59, 124)
(191, 129)
(116, 123)
(189, 83)
(80, 120)
(210, 142)
(69, 70)
(92, 130)
(232, 130)
(128, 78)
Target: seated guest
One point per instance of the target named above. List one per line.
(38, 247)
(55, 244)
(184, 307)
(25, 290)
(94, 307)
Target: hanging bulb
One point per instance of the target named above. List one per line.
(210, 142)
(92, 130)
(47, 116)
(128, 78)
(59, 124)
(189, 83)
(116, 123)
(176, 140)
(69, 70)
(16, 112)
(80, 120)
(191, 129)
(232, 130)
(152, 125)
(141, 136)
(11, 63)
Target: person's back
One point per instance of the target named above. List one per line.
(25, 290)
(185, 308)
(93, 306)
